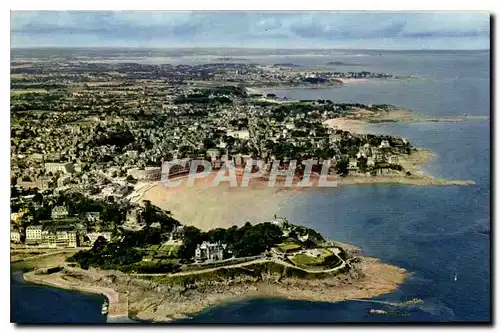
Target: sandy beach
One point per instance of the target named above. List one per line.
(358, 121)
(207, 207)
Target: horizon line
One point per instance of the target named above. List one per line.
(233, 48)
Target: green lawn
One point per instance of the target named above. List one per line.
(303, 260)
(326, 252)
(159, 252)
(288, 247)
(168, 250)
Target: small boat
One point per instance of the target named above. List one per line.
(455, 278)
(104, 309)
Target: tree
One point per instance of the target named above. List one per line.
(131, 179)
(341, 167)
(99, 244)
(362, 164)
(192, 237)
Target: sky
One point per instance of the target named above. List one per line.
(302, 29)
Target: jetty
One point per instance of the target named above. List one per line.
(57, 277)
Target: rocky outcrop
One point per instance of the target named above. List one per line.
(163, 298)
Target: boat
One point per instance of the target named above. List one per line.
(104, 309)
(456, 277)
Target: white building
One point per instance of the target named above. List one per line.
(56, 167)
(279, 221)
(34, 234)
(393, 159)
(148, 173)
(94, 235)
(59, 212)
(241, 134)
(213, 153)
(15, 236)
(384, 144)
(49, 239)
(210, 251)
(353, 163)
(92, 216)
(62, 237)
(133, 220)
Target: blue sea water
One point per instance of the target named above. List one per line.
(33, 304)
(434, 232)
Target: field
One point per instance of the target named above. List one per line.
(306, 261)
(303, 260)
(28, 91)
(287, 247)
(157, 252)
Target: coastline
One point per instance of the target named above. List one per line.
(207, 207)
(163, 302)
(118, 303)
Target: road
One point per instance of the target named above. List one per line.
(248, 263)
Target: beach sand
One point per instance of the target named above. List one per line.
(207, 207)
(347, 124)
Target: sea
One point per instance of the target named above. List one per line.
(440, 234)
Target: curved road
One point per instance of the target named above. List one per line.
(247, 263)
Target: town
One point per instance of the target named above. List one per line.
(83, 134)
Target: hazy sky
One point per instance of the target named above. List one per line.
(385, 30)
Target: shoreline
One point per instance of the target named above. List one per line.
(118, 303)
(207, 207)
(148, 300)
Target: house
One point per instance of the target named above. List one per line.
(17, 217)
(66, 238)
(15, 236)
(210, 251)
(148, 173)
(384, 144)
(353, 163)
(59, 167)
(94, 235)
(60, 236)
(133, 219)
(177, 233)
(155, 225)
(92, 217)
(303, 238)
(370, 161)
(49, 238)
(59, 212)
(393, 159)
(241, 134)
(213, 153)
(279, 221)
(379, 156)
(34, 234)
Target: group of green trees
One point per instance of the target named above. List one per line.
(107, 255)
(219, 95)
(242, 242)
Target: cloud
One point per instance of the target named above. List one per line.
(252, 29)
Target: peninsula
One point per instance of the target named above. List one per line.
(145, 277)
